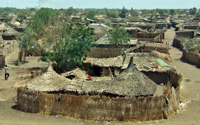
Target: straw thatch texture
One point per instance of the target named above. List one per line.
(79, 74)
(158, 47)
(104, 108)
(27, 100)
(105, 62)
(10, 32)
(49, 81)
(162, 56)
(191, 57)
(144, 62)
(99, 52)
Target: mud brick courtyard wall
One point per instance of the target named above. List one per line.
(191, 57)
(102, 107)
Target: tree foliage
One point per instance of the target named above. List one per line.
(42, 19)
(67, 45)
(193, 10)
(172, 11)
(118, 36)
(111, 14)
(160, 11)
(198, 15)
(91, 14)
(133, 12)
(70, 11)
(123, 12)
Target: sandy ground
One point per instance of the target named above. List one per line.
(190, 115)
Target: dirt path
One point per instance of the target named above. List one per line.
(190, 115)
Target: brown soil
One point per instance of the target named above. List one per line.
(190, 90)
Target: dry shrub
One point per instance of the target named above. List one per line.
(161, 55)
(166, 90)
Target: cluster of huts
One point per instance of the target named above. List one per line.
(8, 36)
(129, 77)
(187, 37)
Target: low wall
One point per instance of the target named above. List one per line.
(191, 27)
(99, 52)
(100, 107)
(7, 49)
(34, 52)
(177, 43)
(2, 61)
(185, 33)
(191, 57)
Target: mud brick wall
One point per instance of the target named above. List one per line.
(191, 57)
(2, 61)
(191, 27)
(177, 43)
(100, 107)
(188, 34)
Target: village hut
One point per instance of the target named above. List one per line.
(154, 65)
(48, 82)
(3, 28)
(128, 97)
(10, 34)
(21, 27)
(103, 66)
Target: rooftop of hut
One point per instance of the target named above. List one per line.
(10, 32)
(147, 61)
(104, 41)
(130, 82)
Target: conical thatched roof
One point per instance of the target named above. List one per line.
(49, 81)
(131, 82)
(10, 32)
(1, 40)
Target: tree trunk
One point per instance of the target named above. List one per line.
(19, 58)
(24, 54)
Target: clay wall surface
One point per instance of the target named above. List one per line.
(191, 57)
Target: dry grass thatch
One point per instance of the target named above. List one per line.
(10, 32)
(131, 82)
(105, 62)
(79, 74)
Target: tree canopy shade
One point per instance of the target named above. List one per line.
(91, 14)
(160, 11)
(26, 40)
(172, 11)
(41, 19)
(118, 36)
(70, 11)
(133, 12)
(123, 12)
(67, 45)
(193, 10)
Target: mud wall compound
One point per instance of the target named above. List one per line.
(191, 57)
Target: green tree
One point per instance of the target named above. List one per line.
(123, 12)
(198, 15)
(22, 15)
(71, 11)
(172, 11)
(68, 44)
(118, 36)
(26, 40)
(42, 19)
(160, 11)
(133, 12)
(193, 10)
(91, 14)
(111, 14)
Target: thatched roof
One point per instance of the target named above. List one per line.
(78, 73)
(1, 40)
(105, 62)
(104, 41)
(130, 82)
(144, 62)
(49, 81)
(10, 32)
(3, 27)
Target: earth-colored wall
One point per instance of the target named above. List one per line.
(100, 107)
(2, 61)
(191, 57)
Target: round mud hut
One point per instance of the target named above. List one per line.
(128, 97)
(10, 34)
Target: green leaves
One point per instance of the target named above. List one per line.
(91, 14)
(123, 12)
(68, 46)
(118, 36)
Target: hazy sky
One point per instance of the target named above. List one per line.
(136, 4)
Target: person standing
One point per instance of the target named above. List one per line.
(6, 72)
